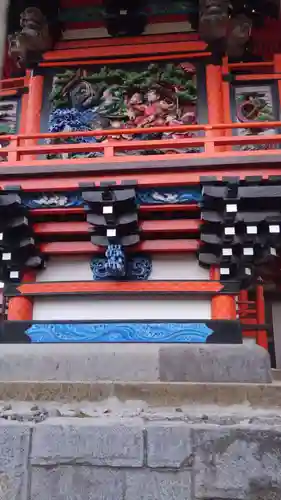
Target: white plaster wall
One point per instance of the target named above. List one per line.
(80, 308)
(87, 308)
(164, 267)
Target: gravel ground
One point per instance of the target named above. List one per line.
(211, 414)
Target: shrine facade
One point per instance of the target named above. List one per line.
(140, 173)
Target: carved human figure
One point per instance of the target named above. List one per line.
(135, 107)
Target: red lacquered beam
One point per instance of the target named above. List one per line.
(86, 247)
(56, 211)
(189, 178)
(124, 50)
(121, 60)
(147, 226)
(119, 287)
(142, 208)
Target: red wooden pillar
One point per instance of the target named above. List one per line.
(226, 94)
(21, 308)
(214, 101)
(277, 69)
(33, 113)
(223, 306)
(260, 305)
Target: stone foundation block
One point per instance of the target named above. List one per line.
(241, 463)
(14, 450)
(214, 363)
(156, 485)
(89, 441)
(77, 483)
(169, 445)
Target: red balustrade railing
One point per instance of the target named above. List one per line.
(207, 140)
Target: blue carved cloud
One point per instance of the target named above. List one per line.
(138, 268)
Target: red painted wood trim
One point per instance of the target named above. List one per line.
(260, 305)
(141, 40)
(192, 207)
(125, 50)
(251, 65)
(147, 226)
(8, 93)
(56, 211)
(120, 287)
(251, 77)
(93, 62)
(9, 83)
(190, 178)
(142, 209)
(167, 144)
(163, 128)
(86, 247)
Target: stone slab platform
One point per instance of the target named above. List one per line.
(216, 363)
(132, 459)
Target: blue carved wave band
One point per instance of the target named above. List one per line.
(119, 332)
(138, 267)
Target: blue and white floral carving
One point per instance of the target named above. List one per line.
(144, 197)
(54, 200)
(119, 332)
(137, 268)
(168, 195)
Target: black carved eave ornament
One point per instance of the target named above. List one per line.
(241, 230)
(125, 17)
(227, 25)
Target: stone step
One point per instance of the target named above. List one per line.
(276, 374)
(135, 362)
(156, 394)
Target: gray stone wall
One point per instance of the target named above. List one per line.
(130, 459)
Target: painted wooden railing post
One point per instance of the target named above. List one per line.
(260, 304)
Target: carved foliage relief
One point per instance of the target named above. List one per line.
(8, 121)
(139, 96)
(8, 116)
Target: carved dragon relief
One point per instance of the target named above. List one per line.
(26, 46)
